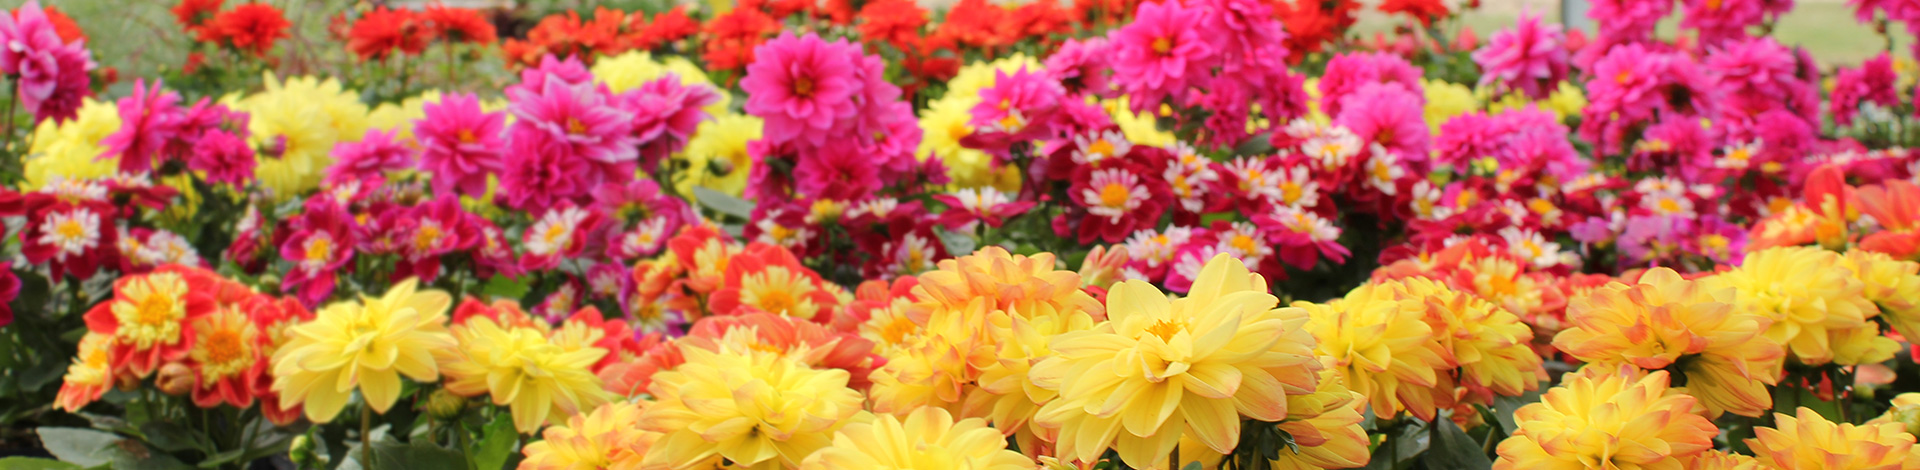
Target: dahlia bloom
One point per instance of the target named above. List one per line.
(251, 27)
(1020, 106)
(1160, 54)
(224, 157)
(1807, 441)
(90, 375)
(319, 243)
(927, 438)
(533, 180)
(51, 72)
(523, 370)
(460, 144)
(1388, 115)
(1118, 201)
(1662, 321)
(1620, 419)
(1721, 21)
(1812, 299)
(370, 158)
(228, 359)
(151, 318)
(1872, 82)
(1528, 58)
(667, 113)
(1387, 350)
(1348, 73)
(967, 208)
(580, 124)
(1083, 67)
(1489, 343)
(608, 437)
(1632, 85)
(150, 118)
(802, 87)
(700, 406)
(368, 344)
(1191, 366)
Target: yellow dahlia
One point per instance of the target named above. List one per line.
(1159, 369)
(521, 369)
(1325, 426)
(1808, 441)
(609, 438)
(1894, 285)
(717, 155)
(1692, 328)
(1810, 295)
(1006, 395)
(1377, 337)
(1489, 344)
(366, 344)
(928, 438)
(1026, 285)
(297, 122)
(1905, 412)
(1717, 460)
(1607, 421)
(71, 150)
(757, 409)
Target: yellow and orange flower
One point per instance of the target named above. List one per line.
(1807, 441)
(1158, 370)
(150, 318)
(228, 359)
(1607, 421)
(90, 375)
(756, 409)
(1813, 300)
(1377, 335)
(927, 438)
(365, 345)
(521, 369)
(768, 278)
(1693, 328)
(607, 438)
(1489, 344)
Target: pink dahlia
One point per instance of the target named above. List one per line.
(460, 144)
(838, 171)
(1160, 54)
(1083, 67)
(665, 115)
(1347, 73)
(1720, 21)
(1628, 20)
(1389, 115)
(374, 155)
(893, 149)
(319, 244)
(570, 71)
(580, 125)
(51, 73)
(1529, 58)
(875, 97)
(1871, 82)
(223, 157)
(149, 120)
(532, 179)
(1021, 106)
(1632, 86)
(1754, 76)
(802, 87)
(1468, 137)
(642, 199)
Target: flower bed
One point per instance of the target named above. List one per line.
(1108, 234)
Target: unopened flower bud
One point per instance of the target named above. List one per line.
(174, 379)
(444, 405)
(300, 451)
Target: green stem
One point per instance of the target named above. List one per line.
(366, 437)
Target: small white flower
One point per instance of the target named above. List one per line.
(70, 233)
(553, 234)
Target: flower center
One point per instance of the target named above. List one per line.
(1100, 147)
(223, 346)
(70, 229)
(803, 87)
(553, 234)
(1165, 329)
(426, 237)
(575, 127)
(155, 310)
(1622, 78)
(466, 136)
(1243, 243)
(1669, 205)
(319, 249)
(1162, 46)
(776, 301)
(1290, 191)
(1114, 195)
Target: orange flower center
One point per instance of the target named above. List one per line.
(223, 346)
(466, 136)
(1114, 195)
(71, 229)
(1165, 329)
(1162, 46)
(319, 249)
(803, 87)
(1100, 147)
(155, 310)
(776, 301)
(575, 127)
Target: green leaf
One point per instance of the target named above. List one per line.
(216, 460)
(1453, 448)
(171, 437)
(506, 287)
(492, 450)
(1255, 145)
(1191, 466)
(957, 244)
(1504, 406)
(723, 203)
(91, 448)
(79, 446)
(420, 455)
(24, 463)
